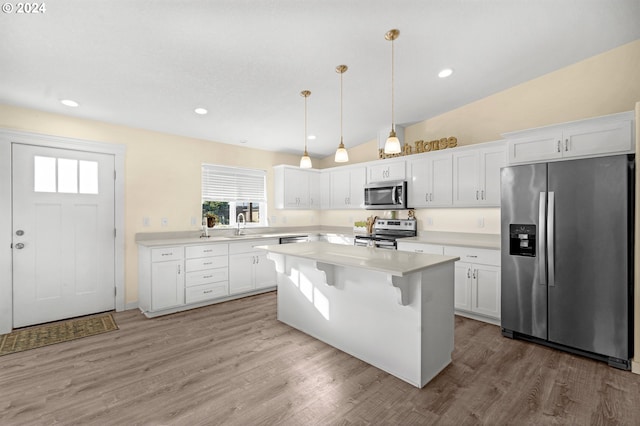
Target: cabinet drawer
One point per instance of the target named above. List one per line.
(206, 292)
(248, 246)
(167, 253)
(206, 263)
(207, 250)
(474, 255)
(420, 247)
(206, 277)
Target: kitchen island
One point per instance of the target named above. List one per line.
(391, 309)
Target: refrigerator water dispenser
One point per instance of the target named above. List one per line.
(522, 240)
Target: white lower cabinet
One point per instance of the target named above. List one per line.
(250, 269)
(207, 272)
(168, 284)
(177, 278)
(476, 278)
(161, 278)
(476, 281)
(417, 247)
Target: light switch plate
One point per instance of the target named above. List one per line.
(164, 221)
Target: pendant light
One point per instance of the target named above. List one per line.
(342, 156)
(392, 145)
(305, 161)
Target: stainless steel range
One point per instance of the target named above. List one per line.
(386, 232)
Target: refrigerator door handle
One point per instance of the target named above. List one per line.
(550, 239)
(542, 258)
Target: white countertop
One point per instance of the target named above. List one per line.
(398, 263)
(213, 239)
(487, 241)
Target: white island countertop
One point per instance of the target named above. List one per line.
(397, 263)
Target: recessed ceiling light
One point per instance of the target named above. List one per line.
(445, 73)
(200, 111)
(311, 137)
(69, 103)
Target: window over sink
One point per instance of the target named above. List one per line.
(229, 191)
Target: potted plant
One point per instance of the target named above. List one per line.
(212, 219)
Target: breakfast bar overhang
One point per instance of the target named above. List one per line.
(391, 309)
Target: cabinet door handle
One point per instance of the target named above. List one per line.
(566, 144)
(482, 194)
(426, 197)
(469, 273)
(257, 260)
(559, 146)
(431, 196)
(475, 273)
(477, 193)
(178, 269)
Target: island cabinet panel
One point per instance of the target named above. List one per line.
(600, 136)
(402, 323)
(249, 268)
(477, 282)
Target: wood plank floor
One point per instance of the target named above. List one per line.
(235, 364)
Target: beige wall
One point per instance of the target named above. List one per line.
(162, 174)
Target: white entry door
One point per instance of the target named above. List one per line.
(63, 233)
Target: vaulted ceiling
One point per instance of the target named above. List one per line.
(149, 64)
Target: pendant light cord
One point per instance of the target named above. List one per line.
(393, 120)
(305, 125)
(341, 106)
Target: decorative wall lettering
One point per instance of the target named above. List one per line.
(421, 146)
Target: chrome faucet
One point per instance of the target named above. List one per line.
(244, 223)
(205, 228)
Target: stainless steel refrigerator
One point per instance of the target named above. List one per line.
(567, 255)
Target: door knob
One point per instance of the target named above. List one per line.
(19, 246)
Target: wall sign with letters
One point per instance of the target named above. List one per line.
(421, 146)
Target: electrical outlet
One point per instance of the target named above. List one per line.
(481, 222)
(164, 221)
(193, 221)
(146, 221)
(429, 221)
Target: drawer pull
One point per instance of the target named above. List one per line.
(207, 291)
(419, 251)
(472, 256)
(207, 263)
(207, 276)
(166, 254)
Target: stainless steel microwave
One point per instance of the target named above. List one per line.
(386, 196)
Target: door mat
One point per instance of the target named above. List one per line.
(49, 334)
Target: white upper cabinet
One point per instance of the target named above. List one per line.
(608, 135)
(431, 180)
(315, 190)
(294, 187)
(386, 171)
(476, 175)
(347, 187)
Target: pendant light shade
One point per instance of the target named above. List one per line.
(342, 156)
(305, 161)
(392, 145)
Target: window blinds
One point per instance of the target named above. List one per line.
(221, 183)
